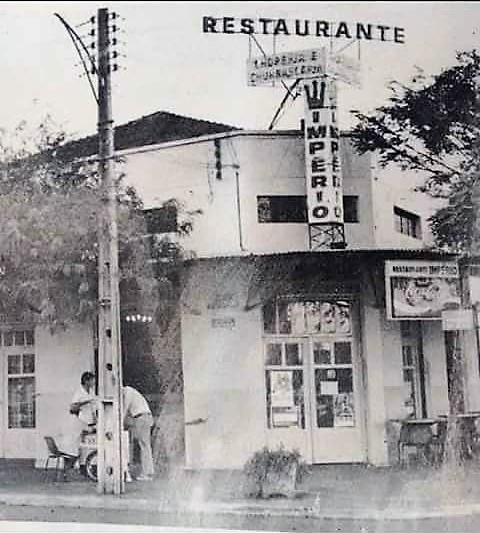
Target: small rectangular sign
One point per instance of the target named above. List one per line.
(286, 66)
(223, 323)
(457, 319)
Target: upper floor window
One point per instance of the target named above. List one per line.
(407, 223)
(161, 219)
(294, 208)
(350, 209)
(282, 208)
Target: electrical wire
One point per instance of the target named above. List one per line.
(76, 39)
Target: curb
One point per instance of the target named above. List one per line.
(234, 508)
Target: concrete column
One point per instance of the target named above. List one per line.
(372, 342)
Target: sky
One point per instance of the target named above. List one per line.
(170, 64)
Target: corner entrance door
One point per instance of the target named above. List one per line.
(313, 380)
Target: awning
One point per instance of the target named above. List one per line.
(247, 282)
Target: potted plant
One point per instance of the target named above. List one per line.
(274, 472)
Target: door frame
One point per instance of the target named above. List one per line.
(276, 435)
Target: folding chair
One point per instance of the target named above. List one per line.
(58, 455)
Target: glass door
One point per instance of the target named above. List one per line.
(312, 379)
(337, 421)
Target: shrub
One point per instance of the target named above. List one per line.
(267, 462)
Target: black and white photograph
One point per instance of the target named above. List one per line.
(240, 266)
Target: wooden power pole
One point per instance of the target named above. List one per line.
(110, 423)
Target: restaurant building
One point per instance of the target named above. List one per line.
(282, 344)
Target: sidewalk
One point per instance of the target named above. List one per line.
(333, 491)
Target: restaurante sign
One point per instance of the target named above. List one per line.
(305, 28)
(421, 289)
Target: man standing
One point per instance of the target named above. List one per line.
(83, 401)
(139, 419)
(83, 406)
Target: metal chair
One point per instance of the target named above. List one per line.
(420, 437)
(55, 453)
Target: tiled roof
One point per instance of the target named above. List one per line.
(152, 129)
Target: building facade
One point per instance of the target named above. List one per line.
(315, 350)
(282, 345)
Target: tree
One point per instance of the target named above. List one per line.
(430, 125)
(48, 233)
(49, 207)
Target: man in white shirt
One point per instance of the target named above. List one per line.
(139, 419)
(83, 406)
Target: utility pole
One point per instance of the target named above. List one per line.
(110, 422)
(111, 452)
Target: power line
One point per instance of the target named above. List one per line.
(78, 41)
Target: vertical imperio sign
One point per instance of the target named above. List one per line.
(322, 159)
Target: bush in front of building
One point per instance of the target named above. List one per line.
(274, 472)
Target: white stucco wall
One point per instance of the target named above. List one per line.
(61, 360)
(435, 368)
(392, 187)
(186, 173)
(266, 163)
(472, 371)
(271, 165)
(357, 181)
(224, 387)
(373, 354)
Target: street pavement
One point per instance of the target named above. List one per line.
(333, 491)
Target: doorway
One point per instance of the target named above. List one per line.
(313, 379)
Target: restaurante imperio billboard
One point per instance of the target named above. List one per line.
(421, 290)
(304, 28)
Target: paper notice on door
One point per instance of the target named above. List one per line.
(343, 410)
(328, 387)
(285, 416)
(281, 383)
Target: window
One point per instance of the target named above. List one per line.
(407, 223)
(282, 208)
(350, 209)
(285, 317)
(294, 209)
(410, 368)
(284, 384)
(21, 378)
(161, 219)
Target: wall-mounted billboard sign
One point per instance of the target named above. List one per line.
(421, 290)
(322, 156)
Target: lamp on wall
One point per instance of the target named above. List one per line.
(138, 318)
